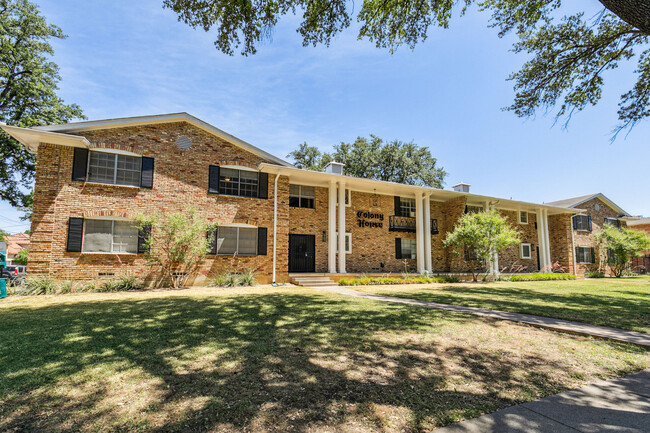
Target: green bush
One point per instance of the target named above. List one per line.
(38, 286)
(120, 284)
(232, 279)
(541, 277)
(595, 274)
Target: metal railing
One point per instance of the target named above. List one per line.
(398, 223)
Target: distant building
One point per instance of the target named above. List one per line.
(641, 264)
(15, 244)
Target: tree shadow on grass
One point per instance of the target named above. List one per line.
(275, 362)
(632, 312)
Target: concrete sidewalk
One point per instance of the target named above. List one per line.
(620, 335)
(620, 405)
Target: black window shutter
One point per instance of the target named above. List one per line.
(213, 180)
(578, 255)
(261, 241)
(575, 222)
(398, 206)
(398, 247)
(143, 236)
(593, 255)
(589, 222)
(75, 234)
(146, 173)
(80, 164)
(263, 186)
(212, 239)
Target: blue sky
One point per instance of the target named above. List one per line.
(126, 58)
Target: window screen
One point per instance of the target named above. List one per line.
(240, 240)
(409, 248)
(107, 236)
(406, 207)
(301, 196)
(242, 183)
(581, 222)
(114, 169)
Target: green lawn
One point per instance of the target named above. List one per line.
(619, 303)
(276, 360)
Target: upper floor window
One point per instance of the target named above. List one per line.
(348, 201)
(243, 183)
(110, 236)
(301, 196)
(613, 222)
(114, 169)
(473, 209)
(523, 217)
(582, 222)
(406, 207)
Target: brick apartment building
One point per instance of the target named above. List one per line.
(642, 263)
(93, 177)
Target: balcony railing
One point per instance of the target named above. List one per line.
(398, 223)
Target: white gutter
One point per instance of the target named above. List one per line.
(275, 221)
(573, 249)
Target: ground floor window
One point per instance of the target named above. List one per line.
(110, 236)
(240, 240)
(348, 243)
(585, 255)
(525, 251)
(409, 248)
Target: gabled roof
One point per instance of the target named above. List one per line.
(639, 222)
(577, 201)
(123, 122)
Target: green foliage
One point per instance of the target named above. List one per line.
(28, 84)
(376, 281)
(47, 286)
(623, 244)
(541, 277)
(21, 257)
(233, 279)
(372, 158)
(569, 53)
(595, 274)
(3, 233)
(483, 234)
(38, 286)
(122, 283)
(177, 245)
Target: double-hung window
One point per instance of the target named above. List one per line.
(243, 183)
(239, 240)
(114, 169)
(585, 255)
(110, 236)
(613, 222)
(473, 209)
(525, 251)
(581, 222)
(523, 217)
(301, 196)
(409, 248)
(406, 207)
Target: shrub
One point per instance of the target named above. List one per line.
(120, 284)
(233, 279)
(542, 277)
(38, 286)
(595, 274)
(371, 281)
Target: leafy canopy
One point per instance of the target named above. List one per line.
(372, 158)
(623, 244)
(28, 81)
(568, 54)
(481, 234)
(21, 257)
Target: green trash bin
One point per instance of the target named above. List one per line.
(3, 288)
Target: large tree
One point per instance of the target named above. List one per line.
(569, 53)
(28, 84)
(394, 161)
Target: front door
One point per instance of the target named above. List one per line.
(302, 249)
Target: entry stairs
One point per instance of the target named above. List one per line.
(313, 281)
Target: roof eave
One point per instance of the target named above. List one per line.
(32, 138)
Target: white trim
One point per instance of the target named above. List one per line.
(523, 212)
(239, 167)
(521, 251)
(107, 218)
(115, 151)
(31, 138)
(348, 237)
(348, 194)
(241, 225)
(125, 122)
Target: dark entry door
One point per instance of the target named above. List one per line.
(302, 249)
(538, 262)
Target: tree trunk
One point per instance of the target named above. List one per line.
(634, 12)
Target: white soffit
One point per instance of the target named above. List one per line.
(31, 138)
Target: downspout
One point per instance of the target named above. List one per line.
(573, 248)
(275, 222)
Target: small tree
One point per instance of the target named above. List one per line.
(21, 257)
(481, 234)
(621, 245)
(177, 243)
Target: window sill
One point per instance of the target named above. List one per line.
(584, 230)
(112, 185)
(90, 253)
(231, 255)
(235, 196)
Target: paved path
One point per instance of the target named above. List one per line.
(638, 338)
(620, 405)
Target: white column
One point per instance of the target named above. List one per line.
(427, 233)
(419, 236)
(541, 239)
(331, 229)
(275, 221)
(341, 230)
(547, 242)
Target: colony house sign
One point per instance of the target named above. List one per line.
(364, 216)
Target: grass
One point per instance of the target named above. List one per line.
(619, 303)
(273, 359)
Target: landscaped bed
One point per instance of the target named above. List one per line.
(274, 359)
(620, 303)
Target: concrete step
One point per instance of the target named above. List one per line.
(313, 281)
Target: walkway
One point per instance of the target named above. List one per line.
(638, 338)
(620, 405)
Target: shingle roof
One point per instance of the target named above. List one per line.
(577, 201)
(638, 222)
